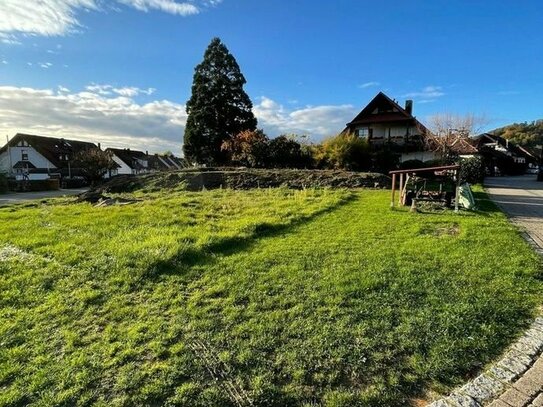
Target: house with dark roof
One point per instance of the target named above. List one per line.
(384, 123)
(38, 157)
(132, 162)
(165, 162)
(504, 157)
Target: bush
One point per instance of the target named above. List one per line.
(284, 152)
(344, 151)
(436, 163)
(384, 160)
(248, 148)
(472, 170)
(51, 184)
(410, 164)
(3, 183)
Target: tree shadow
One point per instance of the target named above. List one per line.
(184, 260)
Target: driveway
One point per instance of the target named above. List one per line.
(521, 198)
(18, 197)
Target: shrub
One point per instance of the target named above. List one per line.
(344, 151)
(384, 160)
(472, 170)
(285, 152)
(248, 148)
(436, 163)
(94, 163)
(3, 183)
(409, 164)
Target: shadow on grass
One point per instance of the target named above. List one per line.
(207, 254)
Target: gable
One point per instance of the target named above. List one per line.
(382, 109)
(57, 151)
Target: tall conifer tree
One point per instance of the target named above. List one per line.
(218, 108)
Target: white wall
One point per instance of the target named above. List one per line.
(34, 157)
(123, 169)
(16, 153)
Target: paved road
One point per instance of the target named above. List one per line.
(521, 198)
(18, 197)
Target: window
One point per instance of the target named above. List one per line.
(24, 155)
(363, 132)
(22, 143)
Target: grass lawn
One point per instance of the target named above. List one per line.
(255, 298)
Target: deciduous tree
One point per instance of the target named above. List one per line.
(94, 163)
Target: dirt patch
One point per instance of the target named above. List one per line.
(441, 229)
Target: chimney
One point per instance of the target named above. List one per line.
(409, 106)
(147, 152)
(99, 146)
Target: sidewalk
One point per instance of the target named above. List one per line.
(18, 197)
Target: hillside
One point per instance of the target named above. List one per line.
(525, 134)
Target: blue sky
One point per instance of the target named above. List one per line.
(120, 71)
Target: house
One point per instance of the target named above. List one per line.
(503, 157)
(38, 157)
(129, 162)
(133, 162)
(384, 123)
(165, 162)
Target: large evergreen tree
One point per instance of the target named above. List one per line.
(218, 108)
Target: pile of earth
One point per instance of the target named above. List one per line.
(196, 180)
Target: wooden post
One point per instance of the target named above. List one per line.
(456, 206)
(400, 200)
(393, 190)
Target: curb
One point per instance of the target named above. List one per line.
(498, 378)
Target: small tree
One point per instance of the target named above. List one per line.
(218, 108)
(286, 152)
(448, 128)
(344, 151)
(94, 163)
(248, 148)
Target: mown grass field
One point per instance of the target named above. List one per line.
(254, 298)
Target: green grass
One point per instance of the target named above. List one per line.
(264, 298)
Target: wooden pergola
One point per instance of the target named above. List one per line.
(405, 174)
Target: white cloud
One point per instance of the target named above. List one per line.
(168, 6)
(429, 93)
(315, 121)
(41, 17)
(60, 17)
(119, 121)
(369, 85)
(113, 120)
(4, 62)
(133, 91)
(45, 65)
